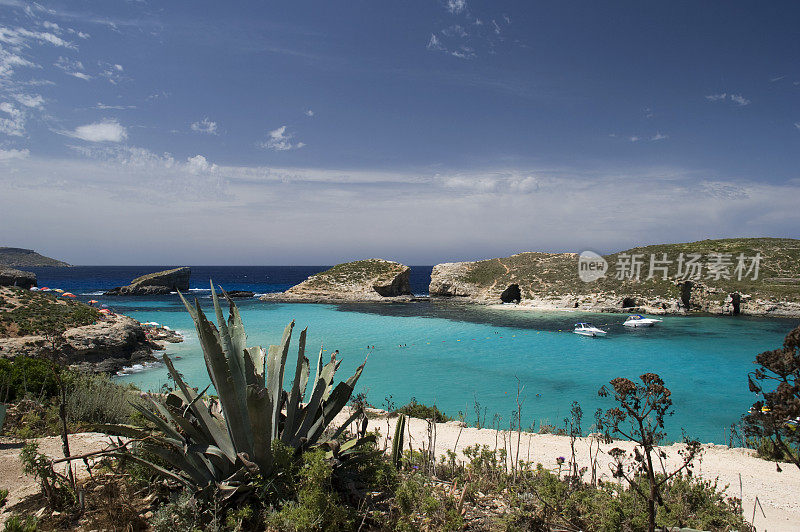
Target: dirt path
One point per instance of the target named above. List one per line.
(20, 485)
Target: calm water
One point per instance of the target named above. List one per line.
(453, 355)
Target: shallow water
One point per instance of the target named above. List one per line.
(453, 355)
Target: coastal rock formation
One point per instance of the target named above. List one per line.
(26, 258)
(157, 283)
(363, 280)
(726, 279)
(104, 347)
(12, 277)
(240, 293)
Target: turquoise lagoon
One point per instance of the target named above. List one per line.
(452, 355)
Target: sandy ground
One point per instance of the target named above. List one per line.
(745, 475)
(20, 485)
(778, 493)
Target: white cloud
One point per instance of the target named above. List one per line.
(113, 72)
(9, 61)
(34, 101)
(105, 131)
(103, 107)
(797, 125)
(7, 155)
(72, 67)
(456, 30)
(309, 113)
(435, 44)
(52, 26)
(456, 6)
(659, 136)
(465, 52)
(634, 138)
(14, 123)
(199, 164)
(22, 36)
(738, 99)
(280, 140)
(205, 126)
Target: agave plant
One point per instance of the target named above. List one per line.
(210, 445)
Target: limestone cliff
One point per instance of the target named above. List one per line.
(551, 280)
(26, 258)
(12, 277)
(157, 283)
(363, 280)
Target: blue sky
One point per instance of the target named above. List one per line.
(315, 132)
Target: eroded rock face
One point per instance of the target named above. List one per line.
(12, 277)
(364, 280)
(447, 280)
(157, 283)
(104, 347)
(511, 294)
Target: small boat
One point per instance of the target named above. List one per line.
(587, 329)
(637, 320)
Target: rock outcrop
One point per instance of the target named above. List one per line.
(157, 283)
(364, 280)
(104, 347)
(12, 277)
(725, 280)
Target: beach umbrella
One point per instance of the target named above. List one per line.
(44, 289)
(57, 290)
(104, 306)
(68, 294)
(34, 289)
(93, 301)
(105, 311)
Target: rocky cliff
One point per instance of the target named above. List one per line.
(12, 277)
(26, 258)
(363, 280)
(157, 283)
(717, 286)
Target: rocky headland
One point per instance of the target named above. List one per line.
(26, 258)
(13, 277)
(363, 280)
(153, 284)
(89, 342)
(549, 281)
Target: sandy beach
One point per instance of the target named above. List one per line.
(745, 475)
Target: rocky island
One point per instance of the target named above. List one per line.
(363, 280)
(756, 276)
(26, 258)
(158, 283)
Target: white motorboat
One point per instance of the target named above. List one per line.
(637, 320)
(587, 329)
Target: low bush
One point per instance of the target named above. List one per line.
(421, 411)
(23, 377)
(96, 399)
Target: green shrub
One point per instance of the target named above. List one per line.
(96, 399)
(179, 515)
(318, 506)
(420, 411)
(3, 497)
(15, 523)
(767, 449)
(26, 377)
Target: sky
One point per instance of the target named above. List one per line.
(139, 132)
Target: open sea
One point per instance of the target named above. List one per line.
(455, 355)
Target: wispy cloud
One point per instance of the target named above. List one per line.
(105, 131)
(103, 107)
(7, 155)
(33, 101)
(72, 67)
(634, 138)
(659, 136)
(779, 78)
(797, 125)
(280, 140)
(456, 6)
(12, 120)
(113, 72)
(435, 44)
(738, 99)
(309, 113)
(205, 126)
(21, 36)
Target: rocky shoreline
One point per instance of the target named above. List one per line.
(107, 346)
